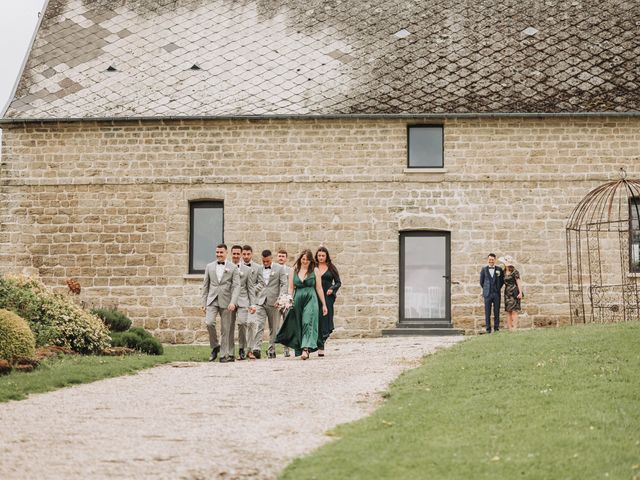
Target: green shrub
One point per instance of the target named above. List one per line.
(54, 318)
(141, 332)
(16, 338)
(151, 346)
(115, 320)
(138, 339)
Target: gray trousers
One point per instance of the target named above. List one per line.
(271, 314)
(226, 343)
(241, 316)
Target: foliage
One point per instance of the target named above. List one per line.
(547, 403)
(16, 338)
(138, 339)
(54, 318)
(65, 370)
(115, 320)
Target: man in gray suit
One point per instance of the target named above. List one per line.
(282, 260)
(272, 282)
(246, 299)
(220, 291)
(252, 319)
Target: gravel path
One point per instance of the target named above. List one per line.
(202, 420)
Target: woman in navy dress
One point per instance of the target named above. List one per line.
(330, 285)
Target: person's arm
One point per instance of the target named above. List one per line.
(282, 283)
(320, 292)
(251, 292)
(259, 283)
(482, 277)
(291, 273)
(336, 284)
(519, 283)
(235, 289)
(205, 289)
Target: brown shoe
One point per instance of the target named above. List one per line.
(251, 356)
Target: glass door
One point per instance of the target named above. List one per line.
(425, 287)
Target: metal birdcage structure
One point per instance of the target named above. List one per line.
(603, 254)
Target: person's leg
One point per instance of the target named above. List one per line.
(496, 313)
(227, 344)
(514, 316)
(287, 353)
(241, 319)
(261, 318)
(273, 315)
(210, 321)
(252, 327)
(487, 314)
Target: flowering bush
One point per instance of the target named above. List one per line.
(54, 319)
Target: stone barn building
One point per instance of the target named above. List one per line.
(409, 138)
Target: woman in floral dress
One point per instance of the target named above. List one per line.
(512, 292)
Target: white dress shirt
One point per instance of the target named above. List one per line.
(219, 271)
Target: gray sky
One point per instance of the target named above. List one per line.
(18, 21)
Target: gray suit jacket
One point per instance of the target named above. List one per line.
(226, 291)
(277, 285)
(247, 295)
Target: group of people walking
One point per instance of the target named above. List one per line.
(492, 279)
(244, 293)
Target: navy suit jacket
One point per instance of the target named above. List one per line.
(487, 282)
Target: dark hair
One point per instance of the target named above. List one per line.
(312, 263)
(282, 250)
(491, 255)
(266, 253)
(222, 245)
(511, 268)
(247, 247)
(330, 265)
(236, 247)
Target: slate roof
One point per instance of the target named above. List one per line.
(209, 58)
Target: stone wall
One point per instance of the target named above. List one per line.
(107, 204)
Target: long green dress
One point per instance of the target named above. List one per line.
(300, 327)
(329, 282)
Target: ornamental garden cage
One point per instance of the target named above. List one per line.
(603, 254)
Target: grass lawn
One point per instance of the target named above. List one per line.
(73, 369)
(557, 403)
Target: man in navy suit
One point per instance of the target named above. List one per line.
(491, 281)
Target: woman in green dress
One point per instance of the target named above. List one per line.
(299, 330)
(330, 285)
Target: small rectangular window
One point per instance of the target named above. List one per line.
(205, 232)
(634, 234)
(426, 146)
